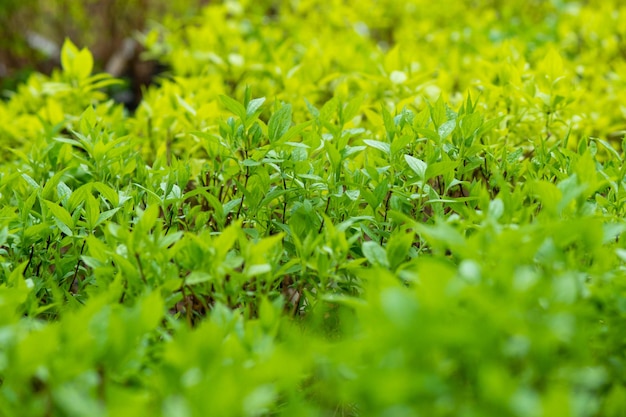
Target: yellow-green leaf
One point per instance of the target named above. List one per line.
(61, 216)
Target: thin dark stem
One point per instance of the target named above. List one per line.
(284, 200)
(462, 190)
(325, 212)
(30, 257)
(82, 248)
(169, 223)
(245, 187)
(143, 277)
(298, 303)
(385, 216)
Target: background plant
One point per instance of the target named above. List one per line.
(341, 221)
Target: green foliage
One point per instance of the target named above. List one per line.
(334, 221)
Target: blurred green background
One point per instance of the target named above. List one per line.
(32, 32)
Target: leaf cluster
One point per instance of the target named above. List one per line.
(344, 221)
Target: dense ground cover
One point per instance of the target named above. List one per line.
(324, 208)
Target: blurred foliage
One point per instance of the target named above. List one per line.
(324, 208)
(32, 31)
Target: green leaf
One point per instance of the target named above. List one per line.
(398, 247)
(259, 401)
(76, 63)
(328, 110)
(98, 81)
(17, 275)
(417, 165)
(148, 219)
(390, 126)
(52, 184)
(69, 51)
(92, 211)
(185, 105)
(443, 235)
(88, 120)
(489, 125)
(376, 144)
(269, 314)
(107, 192)
(469, 124)
(429, 134)
(293, 132)
(234, 106)
(84, 63)
(151, 310)
(257, 269)
(62, 216)
(253, 106)
(438, 113)
(375, 254)
(197, 277)
(446, 128)
(31, 181)
(549, 195)
(352, 108)
(608, 147)
(440, 168)
(333, 155)
(279, 123)
(78, 196)
(225, 241)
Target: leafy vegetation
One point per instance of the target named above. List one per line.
(32, 31)
(346, 208)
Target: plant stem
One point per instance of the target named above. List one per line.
(82, 248)
(385, 216)
(325, 212)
